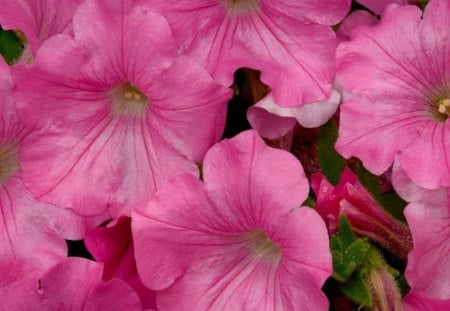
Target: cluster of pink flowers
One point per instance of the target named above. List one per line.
(111, 123)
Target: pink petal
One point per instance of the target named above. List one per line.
(411, 192)
(113, 246)
(176, 113)
(288, 42)
(127, 41)
(325, 12)
(378, 6)
(355, 19)
(18, 284)
(88, 154)
(269, 124)
(246, 162)
(429, 167)
(238, 239)
(420, 302)
(163, 253)
(273, 121)
(234, 280)
(393, 85)
(75, 284)
(38, 19)
(25, 231)
(428, 267)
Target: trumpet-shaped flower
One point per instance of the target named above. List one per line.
(397, 74)
(118, 112)
(291, 43)
(240, 240)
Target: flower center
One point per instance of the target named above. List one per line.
(236, 7)
(444, 107)
(263, 247)
(127, 99)
(8, 162)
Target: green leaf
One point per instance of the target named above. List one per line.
(331, 162)
(349, 259)
(10, 46)
(348, 251)
(357, 289)
(345, 232)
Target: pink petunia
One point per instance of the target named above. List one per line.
(397, 76)
(240, 240)
(76, 284)
(118, 112)
(31, 232)
(428, 216)
(366, 216)
(291, 43)
(113, 246)
(37, 19)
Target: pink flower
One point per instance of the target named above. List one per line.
(38, 19)
(399, 106)
(31, 232)
(76, 284)
(364, 213)
(428, 216)
(291, 43)
(240, 240)
(113, 246)
(118, 111)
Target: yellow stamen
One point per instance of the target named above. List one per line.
(127, 99)
(444, 106)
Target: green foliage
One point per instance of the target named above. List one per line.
(358, 290)
(348, 251)
(353, 260)
(10, 46)
(331, 162)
